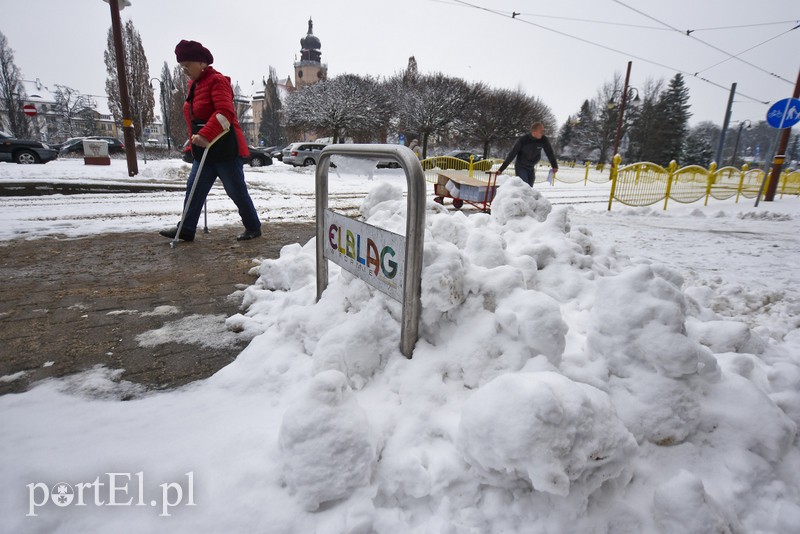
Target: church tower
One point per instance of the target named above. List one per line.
(310, 68)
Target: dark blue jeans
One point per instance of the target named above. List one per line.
(231, 173)
(528, 175)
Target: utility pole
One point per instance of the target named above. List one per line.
(127, 123)
(622, 110)
(780, 155)
(725, 124)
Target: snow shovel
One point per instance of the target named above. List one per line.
(226, 125)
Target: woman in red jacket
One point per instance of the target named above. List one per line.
(210, 94)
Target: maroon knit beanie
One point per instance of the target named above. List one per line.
(193, 51)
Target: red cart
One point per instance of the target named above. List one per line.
(462, 187)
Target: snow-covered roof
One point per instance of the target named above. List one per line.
(39, 93)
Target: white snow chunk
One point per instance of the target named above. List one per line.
(682, 505)
(639, 319)
(545, 429)
(13, 377)
(535, 319)
(516, 201)
(296, 267)
(162, 310)
(205, 330)
(326, 442)
(726, 336)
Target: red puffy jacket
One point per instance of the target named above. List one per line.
(213, 94)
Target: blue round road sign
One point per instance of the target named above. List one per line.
(784, 113)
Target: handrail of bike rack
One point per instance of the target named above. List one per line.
(415, 226)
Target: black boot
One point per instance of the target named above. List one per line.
(248, 234)
(185, 234)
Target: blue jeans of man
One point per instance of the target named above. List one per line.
(231, 173)
(528, 175)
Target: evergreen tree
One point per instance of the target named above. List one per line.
(178, 129)
(674, 124)
(644, 134)
(12, 92)
(583, 146)
(166, 87)
(793, 152)
(565, 134)
(698, 149)
(137, 71)
(270, 129)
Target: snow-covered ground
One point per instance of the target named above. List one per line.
(578, 370)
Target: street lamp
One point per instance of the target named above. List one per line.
(636, 102)
(739, 133)
(165, 108)
(632, 91)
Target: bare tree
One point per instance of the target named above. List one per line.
(339, 106)
(138, 73)
(430, 104)
(607, 103)
(12, 92)
(242, 107)
(499, 116)
(74, 111)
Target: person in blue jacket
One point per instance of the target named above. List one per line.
(528, 151)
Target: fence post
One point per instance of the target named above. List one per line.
(586, 178)
(784, 178)
(741, 182)
(614, 169)
(471, 164)
(712, 170)
(672, 166)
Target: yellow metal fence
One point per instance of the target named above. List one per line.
(643, 184)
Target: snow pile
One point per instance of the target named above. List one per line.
(545, 429)
(545, 363)
(326, 442)
(556, 387)
(682, 505)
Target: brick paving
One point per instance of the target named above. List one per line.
(81, 302)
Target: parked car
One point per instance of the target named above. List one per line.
(275, 151)
(302, 154)
(74, 145)
(259, 157)
(115, 146)
(24, 151)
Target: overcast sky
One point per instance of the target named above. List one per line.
(544, 51)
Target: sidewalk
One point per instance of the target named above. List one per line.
(68, 305)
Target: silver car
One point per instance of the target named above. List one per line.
(302, 154)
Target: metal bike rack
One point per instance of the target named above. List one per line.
(415, 226)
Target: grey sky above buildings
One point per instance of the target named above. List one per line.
(559, 51)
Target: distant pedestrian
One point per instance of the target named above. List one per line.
(414, 145)
(528, 151)
(210, 94)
